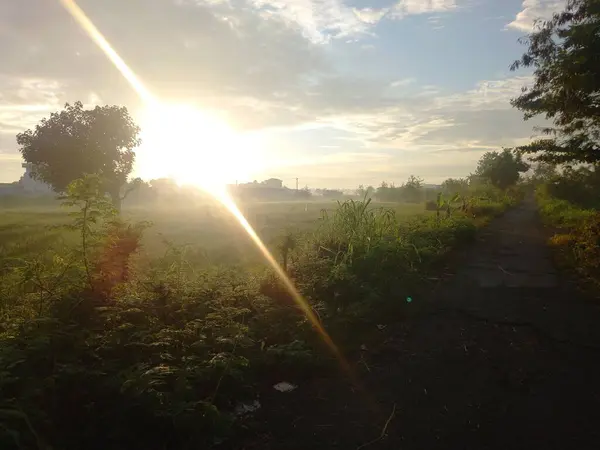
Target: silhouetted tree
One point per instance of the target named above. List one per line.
(502, 169)
(565, 55)
(412, 190)
(363, 191)
(455, 185)
(75, 142)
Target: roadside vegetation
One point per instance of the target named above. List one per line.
(563, 54)
(104, 346)
(569, 205)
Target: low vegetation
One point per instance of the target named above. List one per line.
(569, 204)
(103, 347)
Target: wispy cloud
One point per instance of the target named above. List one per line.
(320, 20)
(412, 7)
(403, 82)
(370, 15)
(262, 63)
(533, 10)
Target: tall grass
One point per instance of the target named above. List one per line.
(355, 226)
(157, 354)
(576, 238)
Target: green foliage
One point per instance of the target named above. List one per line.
(564, 55)
(501, 169)
(93, 209)
(363, 256)
(543, 172)
(578, 186)
(100, 349)
(76, 141)
(577, 235)
(412, 191)
(455, 185)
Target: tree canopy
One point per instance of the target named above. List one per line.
(502, 169)
(455, 185)
(77, 141)
(565, 55)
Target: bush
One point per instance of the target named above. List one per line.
(577, 242)
(98, 350)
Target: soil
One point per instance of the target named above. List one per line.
(502, 355)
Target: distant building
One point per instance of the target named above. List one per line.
(273, 183)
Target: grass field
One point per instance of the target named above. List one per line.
(207, 232)
(157, 333)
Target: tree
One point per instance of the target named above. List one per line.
(565, 55)
(543, 172)
(501, 169)
(411, 191)
(455, 185)
(75, 142)
(386, 192)
(363, 191)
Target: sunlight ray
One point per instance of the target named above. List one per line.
(88, 26)
(218, 192)
(228, 203)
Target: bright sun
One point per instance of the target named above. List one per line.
(194, 147)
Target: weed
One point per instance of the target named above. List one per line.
(101, 348)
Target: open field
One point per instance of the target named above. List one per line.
(208, 232)
(161, 342)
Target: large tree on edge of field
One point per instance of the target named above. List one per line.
(502, 169)
(565, 55)
(77, 141)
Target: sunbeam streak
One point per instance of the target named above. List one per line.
(219, 192)
(300, 301)
(88, 26)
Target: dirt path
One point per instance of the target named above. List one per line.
(501, 356)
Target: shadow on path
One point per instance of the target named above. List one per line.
(502, 356)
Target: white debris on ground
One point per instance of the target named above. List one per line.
(284, 386)
(243, 409)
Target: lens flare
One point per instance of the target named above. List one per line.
(88, 26)
(219, 192)
(226, 200)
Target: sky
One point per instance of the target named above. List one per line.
(334, 92)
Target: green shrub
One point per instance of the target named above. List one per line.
(577, 242)
(99, 349)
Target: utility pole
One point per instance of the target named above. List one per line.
(296, 183)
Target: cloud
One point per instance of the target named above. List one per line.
(413, 7)
(533, 10)
(402, 82)
(371, 15)
(479, 118)
(320, 20)
(265, 65)
(323, 20)
(404, 8)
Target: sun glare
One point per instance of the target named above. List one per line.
(194, 147)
